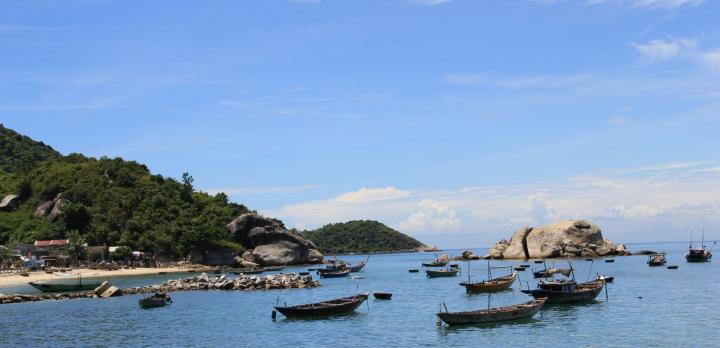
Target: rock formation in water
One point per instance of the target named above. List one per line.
(570, 238)
(270, 243)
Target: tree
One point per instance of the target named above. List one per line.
(76, 247)
(122, 253)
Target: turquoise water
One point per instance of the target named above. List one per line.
(677, 307)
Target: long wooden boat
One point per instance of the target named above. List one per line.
(257, 270)
(698, 254)
(156, 300)
(324, 308)
(382, 295)
(567, 291)
(513, 312)
(656, 260)
(357, 268)
(336, 274)
(497, 284)
(442, 273)
(548, 273)
(69, 282)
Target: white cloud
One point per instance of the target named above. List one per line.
(429, 2)
(431, 216)
(632, 204)
(366, 195)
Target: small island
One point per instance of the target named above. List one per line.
(362, 236)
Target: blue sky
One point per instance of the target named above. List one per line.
(455, 121)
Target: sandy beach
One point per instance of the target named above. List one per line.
(15, 279)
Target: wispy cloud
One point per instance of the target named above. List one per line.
(312, 2)
(667, 5)
(367, 195)
(659, 50)
(248, 190)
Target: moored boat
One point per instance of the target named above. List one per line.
(159, 299)
(324, 308)
(382, 295)
(69, 282)
(413, 270)
(497, 284)
(656, 260)
(567, 291)
(436, 263)
(512, 312)
(335, 274)
(607, 279)
(548, 273)
(442, 273)
(698, 254)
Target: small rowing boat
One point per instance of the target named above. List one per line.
(497, 284)
(442, 273)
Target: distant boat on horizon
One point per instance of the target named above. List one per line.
(698, 254)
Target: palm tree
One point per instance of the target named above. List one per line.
(76, 247)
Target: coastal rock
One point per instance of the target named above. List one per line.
(469, 255)
(10, 203)
(570, 238)
(271, 243)
(281, 253)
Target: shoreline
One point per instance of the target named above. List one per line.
(9, 280)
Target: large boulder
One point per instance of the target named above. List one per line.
(10, 203)
(281, 253)
(51, 209)
(570, 238)
(269, 243)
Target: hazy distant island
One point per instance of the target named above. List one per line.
(362, 236)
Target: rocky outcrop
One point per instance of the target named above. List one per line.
(466, 255)
(106, 290)
(10, 203)
(270, 243)
(51, 209)
(570, 238)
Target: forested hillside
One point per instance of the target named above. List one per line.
(107, 201)
(361, 236)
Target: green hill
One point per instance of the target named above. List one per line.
(107, 201)
(360, 236)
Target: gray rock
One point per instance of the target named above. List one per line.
(515, 249)
(281, 253)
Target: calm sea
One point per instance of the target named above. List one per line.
(645, 307)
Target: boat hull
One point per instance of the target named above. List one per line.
(585, 293)
(326, 308)
(514, 312)
(438, 274)
(497, 284)
(48, 287)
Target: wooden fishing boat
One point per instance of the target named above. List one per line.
(513, 312)
(672, 267)
(69, 282)
(382, 295)
(609, 260)
(324, 308)
(698, 254)
(436, 263)
(273, 268)
(548, 273)
(442, 273)
(497, 284)
(567, 291)
(520, 269)
(357, 268)
(656, 260)
(539, 261)
(156, 300)
(413, 270)
(336, 274)
(525, 266)
(248, 270)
